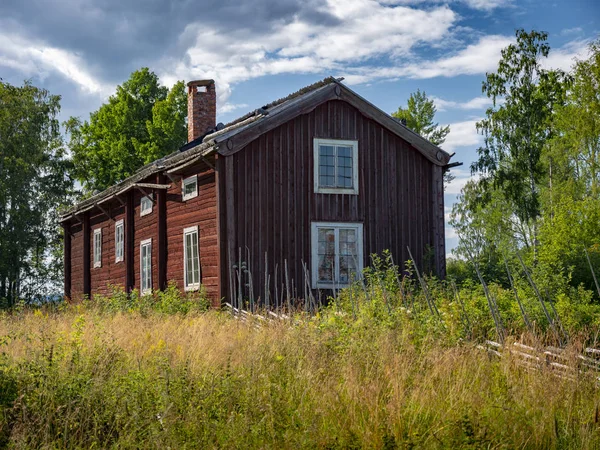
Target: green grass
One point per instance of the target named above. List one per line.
(351, 377)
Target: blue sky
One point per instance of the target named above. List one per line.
(262, 50)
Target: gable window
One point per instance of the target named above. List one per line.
(146, 266)
(189, 187)
(191, 258)
(146, 205)
(119, 240)
(336, 253)
(335, 166)
(98, 247)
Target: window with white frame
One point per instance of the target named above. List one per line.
(337, 253)
(98, 247)
(191, 258)
(119, 240)
(336, 166)
(146, 266)
(189, 187)
(146, 205)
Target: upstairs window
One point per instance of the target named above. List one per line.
(119, 240)
(146, 266)
(189, 187)
(191, 259)
(336, 166)
(146, 205)
(337, 253)
(98, 247)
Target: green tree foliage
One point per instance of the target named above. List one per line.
(517, 128)
(419, 115)
(33, 183)
(571, 198)
(142, 122)
(539, 172)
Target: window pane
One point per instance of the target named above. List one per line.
(189, 188)
(326, 254)
(344, 151)
(326, 150)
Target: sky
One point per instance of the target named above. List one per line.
(262, 50)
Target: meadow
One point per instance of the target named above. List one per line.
(371, 370)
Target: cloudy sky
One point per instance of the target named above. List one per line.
(262, 50)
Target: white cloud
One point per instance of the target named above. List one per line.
(482, 5)
(363, 30)
(462, 175)
(37, 58)
(474, 103)
(229, 107)
(462, 134)
(564, 57)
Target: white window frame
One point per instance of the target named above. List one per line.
(314, 250)
(335, 190)
(97, 247)
(145, 242)
(119, 245)
(191, 286)
(145, 212)
(186, 181)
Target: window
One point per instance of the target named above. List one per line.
(98, 247)
(146, 205)
(191, 259)
(337, 253)
(189, 187)
(146, 266)
(336, 166)
(119, 241)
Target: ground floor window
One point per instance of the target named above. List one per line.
(146, 266)
(337, 253)
(191, 258)
(98, 247)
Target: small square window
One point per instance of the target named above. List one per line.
(146, 205)
(189, 187)
(336, 166)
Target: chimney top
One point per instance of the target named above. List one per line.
(201, 83)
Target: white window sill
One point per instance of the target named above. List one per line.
(97, 265)
(326, 190)
(189, 196)
(118, 260)
(327, 285)
(192, 287)
(146, 292)
(145, 213)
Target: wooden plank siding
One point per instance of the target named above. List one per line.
(201, 211)
(272, 203)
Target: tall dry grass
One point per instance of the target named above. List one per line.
(84, 379)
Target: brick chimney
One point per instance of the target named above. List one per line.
(202, 108)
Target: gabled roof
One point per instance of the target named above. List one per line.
(236, 134)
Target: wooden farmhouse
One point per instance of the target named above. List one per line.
(307, 187)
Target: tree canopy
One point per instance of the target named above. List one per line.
(420, 115)
(33, 184)
(140, 123)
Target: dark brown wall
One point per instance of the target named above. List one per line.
(201, 211)
(111, 272)
(274, 202)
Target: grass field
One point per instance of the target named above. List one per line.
(86, 378)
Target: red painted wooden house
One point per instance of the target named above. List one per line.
(314, 182)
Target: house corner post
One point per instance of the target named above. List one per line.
(129, 242)
(87, 285)
(67, 260)
(161, 203)
(439, 238)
